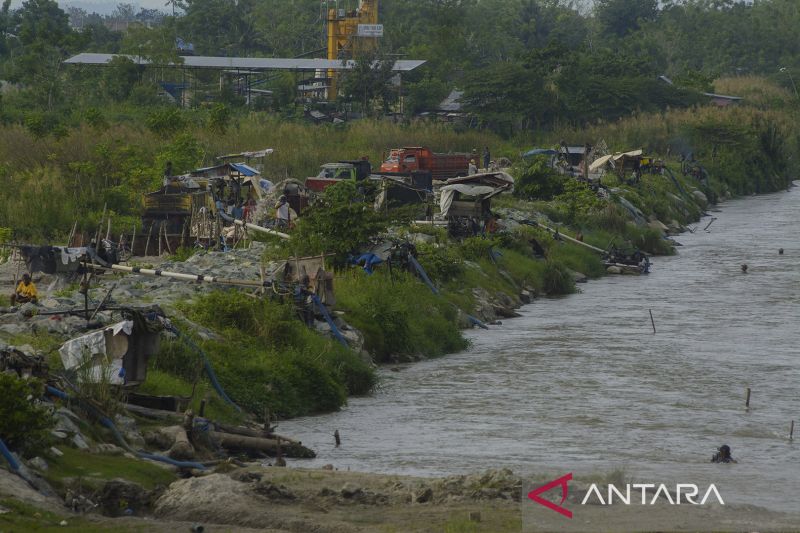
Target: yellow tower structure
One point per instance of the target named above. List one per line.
(350, 32)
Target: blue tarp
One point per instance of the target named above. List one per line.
(244, 170)
(539, 151)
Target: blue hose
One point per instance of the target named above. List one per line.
(474, 321)
(422, 273)
(212, 376)
(329, 320)
(144, 455)
(5, 452)
(104, 420)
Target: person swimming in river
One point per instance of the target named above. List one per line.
(723, 455)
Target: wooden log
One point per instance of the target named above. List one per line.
(154, 414)
(255, 433)
(181, 448)
(256, 445)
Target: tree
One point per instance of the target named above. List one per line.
(508, 97)
(43, 22)
(621, 17)
(370, 80)
(154, 44)
(120, 77)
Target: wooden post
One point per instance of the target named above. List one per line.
(653, 322)
(100, 227)
(133, 240)
(202, 411)
(160, 227)
(147, 243)
(183, 233)
(166, 237)
(72, 234)
(791, 431)
(747, 399)
(336, 438)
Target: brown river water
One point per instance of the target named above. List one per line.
(581, 384)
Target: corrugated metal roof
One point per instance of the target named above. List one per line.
(244, 170)
(243, 63)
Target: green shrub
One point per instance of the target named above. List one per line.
(557, 280)
(269, 359)
(477, 248)
(341, 221)
(24, 426)
(536, 180)
(441, 263)
(400, 318)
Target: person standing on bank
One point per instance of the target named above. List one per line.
(487, 157)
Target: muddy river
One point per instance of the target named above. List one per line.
(581, 384)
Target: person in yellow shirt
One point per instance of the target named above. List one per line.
(26, 291)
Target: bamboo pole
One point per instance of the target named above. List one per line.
(166, 237)
(260, 229)
(180, 276)
(72, 234)
(100, 226)
(567, 237)
(147, 244)
(160, 227)
(133, 240)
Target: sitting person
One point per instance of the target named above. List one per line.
(26, 291)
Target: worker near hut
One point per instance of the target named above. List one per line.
(284, 214)
(487, 157)
(472, 168)
(25, 292)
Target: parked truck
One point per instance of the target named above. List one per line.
(331, 173)
(417, 159)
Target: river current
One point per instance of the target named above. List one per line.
(581, 384)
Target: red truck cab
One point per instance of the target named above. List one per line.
(414, 159)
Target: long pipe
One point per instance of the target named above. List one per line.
(253, 226)
(567, 237)
(183, 277)
(261, 229)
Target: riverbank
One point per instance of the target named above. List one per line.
(274, 367)
(281, 501)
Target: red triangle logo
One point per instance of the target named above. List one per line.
(562, 482)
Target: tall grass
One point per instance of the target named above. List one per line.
(53, 182)
(400, 317)
(268, 359)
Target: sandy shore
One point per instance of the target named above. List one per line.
(301, 500)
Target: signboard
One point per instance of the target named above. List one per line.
(370, 30)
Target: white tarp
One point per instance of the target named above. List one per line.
(449, 192)
(600, 162)
(101, 350)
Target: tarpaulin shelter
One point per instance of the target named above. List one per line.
(116, 354)
(478, 187)
(617, 160)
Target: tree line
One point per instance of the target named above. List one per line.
(522, 64)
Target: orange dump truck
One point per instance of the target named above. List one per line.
(418, 159)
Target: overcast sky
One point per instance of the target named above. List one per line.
(107, 6)
(103, 6)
